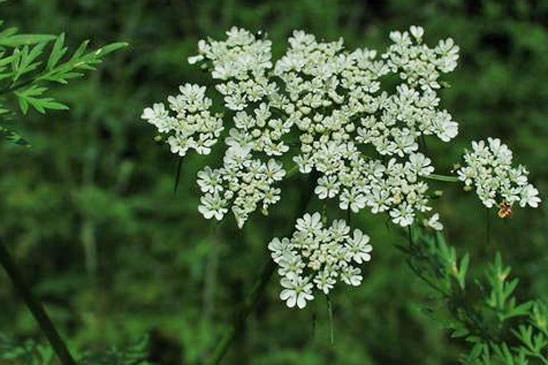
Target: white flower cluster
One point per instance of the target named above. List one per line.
(242, 183)
(333, 99)
(193, 126)
(337, 105)
(317, 257)
(488, 167)
(357, 119)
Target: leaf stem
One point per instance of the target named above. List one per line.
(35, 307)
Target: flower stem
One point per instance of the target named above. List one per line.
(330, 316)
(35, 307)
(178, 175)
(443, 178)
(292, 172)
(248, 305)
(258, 289)
(487, 228)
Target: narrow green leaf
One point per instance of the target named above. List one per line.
(80, 51)
(509, 289)
(8, 32)
(27, 60)
(103, 51)
(23, 103)
(57, 52)
(463, 270)
(25, 39)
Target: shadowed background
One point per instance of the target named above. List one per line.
(89, 211)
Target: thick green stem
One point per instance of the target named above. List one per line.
(35, 307)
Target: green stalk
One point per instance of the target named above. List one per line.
(247, 308)
(257, 291)
(35, 307)
(443, 178)
(488, 228)
(330, 316)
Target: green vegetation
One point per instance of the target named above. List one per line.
(131, 272)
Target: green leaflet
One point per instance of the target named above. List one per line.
(29, 62)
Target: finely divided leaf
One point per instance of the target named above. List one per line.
(32, 97)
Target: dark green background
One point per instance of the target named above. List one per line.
(90, 212)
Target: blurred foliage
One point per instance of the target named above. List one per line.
(29, 352)
(90, 213)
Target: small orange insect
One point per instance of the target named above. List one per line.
(505, 211)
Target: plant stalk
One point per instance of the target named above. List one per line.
(444, 178)
(258, 289)
(247, 308)
(35, 307)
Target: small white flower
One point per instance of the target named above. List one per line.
(416, 32)
(434, 223)
(212, 205)
(324, 281)
(194, 59)
(274, 170)
(309, 223)
(353, 200)
(297, 291)
(290, 265)
(403, 215)
(327, 187)
(420, 164)
(279, 248)
(359, 247)
(351, 276)
(529, 196)
(210, 180)
(157, 116)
